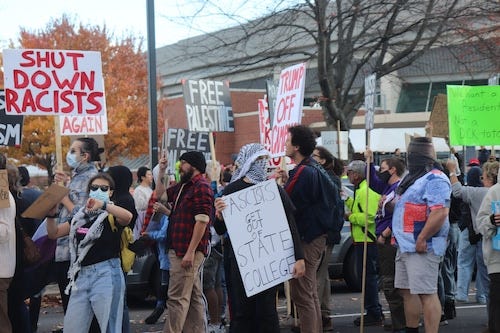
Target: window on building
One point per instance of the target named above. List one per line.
(418, 97)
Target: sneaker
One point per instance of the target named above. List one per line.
(369, 321)
(154, 316)
(443, 321)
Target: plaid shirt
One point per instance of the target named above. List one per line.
(195, 198)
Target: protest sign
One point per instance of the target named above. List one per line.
(53, 82)
(330, 140)
(370, 91)
(439, 117)
(45, 202)
(84, 125)
(208, 105)
(4, 189)
(265, 130)
(271, 92)
(181, 140)
(474, 115)
(260, 236)
(11, 127)
(288, 107)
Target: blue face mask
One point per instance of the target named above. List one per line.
(99, 195)
(72, 160)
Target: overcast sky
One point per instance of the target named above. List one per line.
(172, 21)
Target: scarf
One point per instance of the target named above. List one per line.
(250, 164)
(79, 251)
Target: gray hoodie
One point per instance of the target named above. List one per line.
(491, 257)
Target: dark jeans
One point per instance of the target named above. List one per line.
(248, 314)
(494, 304)
(386, 258)
(372, 304)
(447, 286)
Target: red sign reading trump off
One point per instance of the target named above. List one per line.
(53, 82)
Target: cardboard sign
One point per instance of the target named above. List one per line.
(4, 189)
(208, 106)
(439, 116)
(181, 140)
(260, 236)
(53, 82)
(288, 107)
(330, 140)
(49, 198)
(474, 115)
(83, 125)
(11, 127)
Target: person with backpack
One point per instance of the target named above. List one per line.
(95, 275)
(385, 181)
(359, 211)
(330, 164)
(313, 216)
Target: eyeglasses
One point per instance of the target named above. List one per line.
(104, 188)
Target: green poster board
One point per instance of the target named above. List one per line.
(474, 115)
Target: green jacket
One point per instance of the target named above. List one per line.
(358, 207)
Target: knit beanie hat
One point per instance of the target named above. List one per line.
(196, 159)
(422, 146)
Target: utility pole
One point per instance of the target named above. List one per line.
(153, 112)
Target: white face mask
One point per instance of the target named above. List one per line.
(72, 160)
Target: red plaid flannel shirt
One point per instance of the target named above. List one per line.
(196, 198)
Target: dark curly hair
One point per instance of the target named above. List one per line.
(304, 138)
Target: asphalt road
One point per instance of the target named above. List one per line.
(471, 317)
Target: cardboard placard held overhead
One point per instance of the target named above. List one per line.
(4, 189)
(51, 197)
(439, 116)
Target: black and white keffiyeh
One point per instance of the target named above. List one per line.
(78, 251)
(252, 163)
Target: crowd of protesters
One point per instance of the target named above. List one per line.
(424, 223)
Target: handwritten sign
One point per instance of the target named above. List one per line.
(370, 91)
(474, 115)
(181, 140)
(53, 82)
(11, 127)
(265, 130)
(84, 125)
(330, 140)
(288, 107)
(4, 189)
(439, 116)
(260, 236)
(208, 105)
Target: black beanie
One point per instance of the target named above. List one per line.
(422, 146)
(196, 159)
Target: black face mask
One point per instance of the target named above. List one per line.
(384, 176)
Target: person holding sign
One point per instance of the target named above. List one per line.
(258, 312)
(304, 188)
(187, 243)
(96, 279)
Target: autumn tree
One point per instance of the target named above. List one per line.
(345, 40)
(126, 89)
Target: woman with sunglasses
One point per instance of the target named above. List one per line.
(96, 279)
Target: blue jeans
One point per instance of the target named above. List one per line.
(99, 289)
(446, 280)
(468, 255)
(372, 304)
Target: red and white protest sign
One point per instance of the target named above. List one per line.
(288, 107)
(53, 82)
(265, 130)
(83, 125)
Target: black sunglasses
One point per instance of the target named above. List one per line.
(103, 188)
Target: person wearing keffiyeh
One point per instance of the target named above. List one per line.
(256, 313)
(96, 282)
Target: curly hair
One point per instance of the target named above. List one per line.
(304, 138)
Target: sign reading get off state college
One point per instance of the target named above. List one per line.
(260, 236)
(53, 82)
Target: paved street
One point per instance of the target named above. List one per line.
(471, 317)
